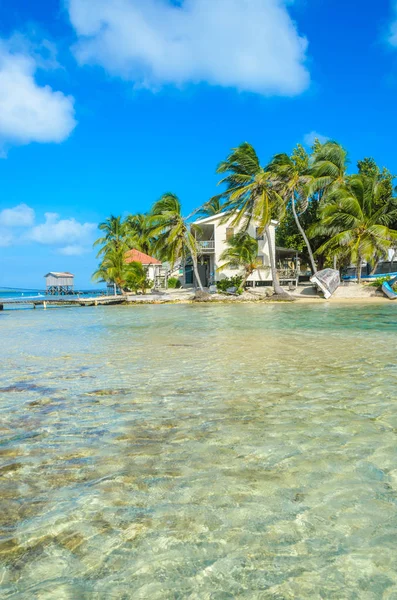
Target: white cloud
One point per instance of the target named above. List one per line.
(62, 232)
(251, 45)
(30, 112)
(310, 138)
(69, 237)
(19, 216)
(73, 250)
(6, 238)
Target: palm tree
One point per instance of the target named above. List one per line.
(291, 178)
(114, 237)
(112, 268)
(251, 196)
(135, 277)
(137, 228)
(329, 168)
(358, 227)
(241, 253)
(213, 207)
(174, 237)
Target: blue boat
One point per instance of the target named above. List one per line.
(387, 288)
(386, 268)
(365, 277)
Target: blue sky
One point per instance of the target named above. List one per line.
(101, 111)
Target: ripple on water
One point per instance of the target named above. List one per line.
(199, 452)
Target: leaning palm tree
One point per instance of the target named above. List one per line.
(328, 168)
(358, 228)
(112, 268)
(137, 230)
(291, 178)
(213, 207)
(175, 239)
(252, 197)
(115, 235)
(241, 253)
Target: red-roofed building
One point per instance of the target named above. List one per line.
(144, 259)
(151, 264)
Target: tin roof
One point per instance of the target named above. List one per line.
(59, 274)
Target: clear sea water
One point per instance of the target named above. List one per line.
(6, 294)
(200, 452)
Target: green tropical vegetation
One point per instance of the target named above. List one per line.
(241, 253)
(292, 178)
(114, 270)
(332, 216)
(135, 278)
(251, 196)
(356, 219)
(174, 237)
(229, 282)
(213, 207)
(379, 281)
(112, 266)
(138, 233)
(174, 283)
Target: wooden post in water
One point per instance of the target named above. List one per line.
(44, 305)
(1, 306)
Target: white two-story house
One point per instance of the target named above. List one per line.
(212, 235)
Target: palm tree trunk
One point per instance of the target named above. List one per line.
(276, 284)
(392, 260)
(375, 266)
(358, 270)
(244, 280)
(196, 272)
(303, 234)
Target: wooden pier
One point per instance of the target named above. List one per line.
(61, 301)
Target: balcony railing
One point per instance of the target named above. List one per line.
(206, 246)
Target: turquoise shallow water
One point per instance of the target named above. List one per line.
(200, 452)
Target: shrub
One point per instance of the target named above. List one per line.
(174, 283)
(135, 277)
(224, 284)
(381, 280)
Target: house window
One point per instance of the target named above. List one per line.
(229, 233)
(259, 234)
(259, 260)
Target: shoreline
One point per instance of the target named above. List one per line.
(270, 300)
(343, 296)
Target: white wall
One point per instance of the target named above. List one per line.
(152, 271)
(263, 274)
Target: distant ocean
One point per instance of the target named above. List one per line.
(4, 293)
(17, 294)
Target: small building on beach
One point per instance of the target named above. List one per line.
(59, 283)
(153, 267)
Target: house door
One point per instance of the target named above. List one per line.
(189, 274)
